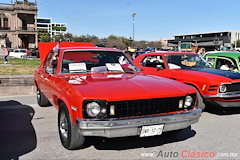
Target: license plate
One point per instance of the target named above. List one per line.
(151, 130)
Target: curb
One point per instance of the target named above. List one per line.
(17, 85)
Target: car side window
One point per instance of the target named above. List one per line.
(211, 60)
(154, 61)
(222, 62)
(51, 62)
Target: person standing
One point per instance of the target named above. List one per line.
(201, 51)
(5, 53)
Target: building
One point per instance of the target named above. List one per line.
(59, 28)
(44, 23)
(164, 43)
(54, 29)
(18, 24)
(209, 40)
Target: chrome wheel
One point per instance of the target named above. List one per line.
(63, 126)
(38, 95)
(42, 99)
(68, 132)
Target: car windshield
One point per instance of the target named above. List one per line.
(96, 61)
(186, 61)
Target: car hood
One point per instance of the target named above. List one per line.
(213, 74)
(117, 87)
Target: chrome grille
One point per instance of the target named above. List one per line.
(234, 87)
(146, 107)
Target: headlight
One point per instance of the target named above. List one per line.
(222, 88)
(93, 109)
(188, 101)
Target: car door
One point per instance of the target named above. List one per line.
(48, 77)
(219, 61)
(155, 65)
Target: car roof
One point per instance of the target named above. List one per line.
(168, 53)
(225, 54)
(89, 48)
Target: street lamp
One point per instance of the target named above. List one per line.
(131, 41)
(133, 15)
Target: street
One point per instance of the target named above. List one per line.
(28, 131)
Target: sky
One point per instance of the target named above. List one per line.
(154, 19)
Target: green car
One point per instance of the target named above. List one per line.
(224, 60)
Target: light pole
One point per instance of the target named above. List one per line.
(235, 45)
(133, 15)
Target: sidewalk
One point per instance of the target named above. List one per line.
(16, 85)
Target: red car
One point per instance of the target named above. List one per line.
(99, 92)
(215, 86)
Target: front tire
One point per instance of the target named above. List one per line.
(42, 99)
(69, 135)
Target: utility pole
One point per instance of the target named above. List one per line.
(133, 15)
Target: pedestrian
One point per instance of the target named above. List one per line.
(5, 53)
(194, 47)
(129, 55)
(125, 50)
(201, 51)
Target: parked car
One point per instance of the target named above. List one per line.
(18, 53)
(219, 59)
(99, 92)
(33, 52)
(218, 87)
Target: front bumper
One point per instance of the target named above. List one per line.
(226, 104)
(132, 127)
(224, 100)
(237, 96)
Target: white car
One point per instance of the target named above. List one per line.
(18, 53)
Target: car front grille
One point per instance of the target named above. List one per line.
(146, 107)
(234, 87)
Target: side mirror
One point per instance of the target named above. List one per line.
(49, 71)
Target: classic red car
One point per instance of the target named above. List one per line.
(218, 87)
(99, 92)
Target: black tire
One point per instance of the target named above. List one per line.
(42, 99)
(200, 103)
(70, 137)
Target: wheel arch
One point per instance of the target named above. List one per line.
(200, 101)
(195, 86)
(72, 114)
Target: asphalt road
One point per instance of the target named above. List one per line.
(28, 131)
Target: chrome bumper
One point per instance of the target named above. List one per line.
(132, 127)
(226, 103)
(223, 96)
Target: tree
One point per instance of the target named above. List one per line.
(237, 45)
(57, 38)
(43, 35)
(84, 38)
(68, 37)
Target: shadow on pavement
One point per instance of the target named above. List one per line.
(137, 142)
(222, 110)
(17, 134)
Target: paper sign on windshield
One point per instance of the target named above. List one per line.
(114, 67)
(77, 67)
